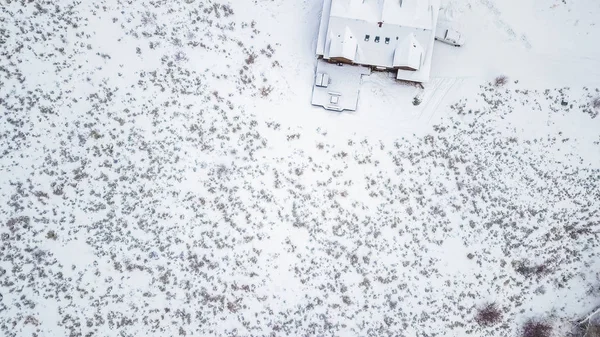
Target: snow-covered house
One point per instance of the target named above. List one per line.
(384, 34)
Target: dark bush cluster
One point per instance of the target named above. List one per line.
(536, 328)
(526, 269)
(488, 315)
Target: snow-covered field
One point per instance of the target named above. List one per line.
(163, 174)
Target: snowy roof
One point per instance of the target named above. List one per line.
(337, 87)
(409, 13)
(409, 53)
(379, 27)
(343, 45)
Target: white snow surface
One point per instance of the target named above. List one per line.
(164, 174)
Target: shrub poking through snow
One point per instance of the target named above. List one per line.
(416, 101)
(596, 103)
(488, 315)
(265, 91)
(51, 235)
(500, 80)
(536, 328)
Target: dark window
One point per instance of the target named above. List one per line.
(367, 37)
(387, 40)
(376, 39)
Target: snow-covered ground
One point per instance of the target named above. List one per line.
(163, 174)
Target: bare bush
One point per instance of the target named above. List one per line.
(148, 18)
(251, 58)
(536, 328)
(180, 56)
(488, 315)
(265, 91)
(500, 80)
